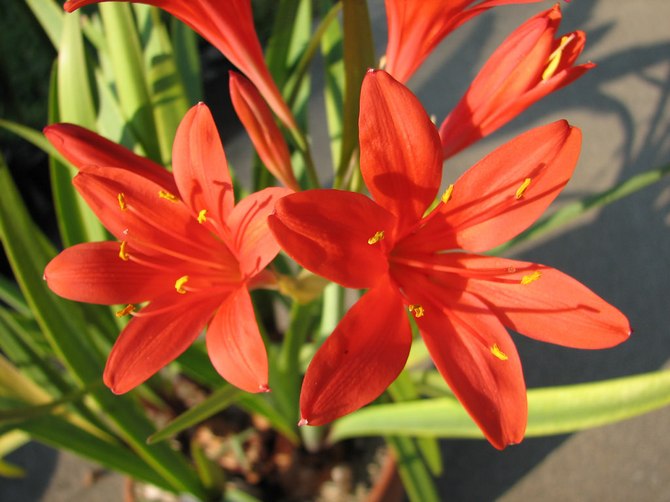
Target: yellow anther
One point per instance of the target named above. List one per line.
(555, 57)
(417, 310)
(179, 284)
(122, 201)
(446, 196)
(202, 216)
(125, 310)
(527, 279)
(168, 196)
(495, 350)
(522, 189)
(123, 254)
(376, 238)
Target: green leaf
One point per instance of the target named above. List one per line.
(11, 295)
(552, 410)
(187, 58)
(166, 90)
(56, 432)
(71, 100)
(218, 401)
(334, 87)
(401, 390)
(359, 55)
(576, 209)
(9, 442)
(125, 54)
(414, 474)
(20, 341)
(50, 16)
(32, 136)
(210, 472)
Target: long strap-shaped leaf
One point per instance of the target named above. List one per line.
(552, 410)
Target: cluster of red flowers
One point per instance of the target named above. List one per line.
(184, 247)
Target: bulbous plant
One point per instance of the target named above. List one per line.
(221, 307)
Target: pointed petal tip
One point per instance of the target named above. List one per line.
(264, 388)
(302, 422)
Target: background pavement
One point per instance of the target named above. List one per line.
(621, 252)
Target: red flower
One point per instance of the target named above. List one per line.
(527, 66)
(461, 301)
(257, 119)
(416, 27)
(183, 246)
(229, 26)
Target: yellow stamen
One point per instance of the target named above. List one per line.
(179, 284)
(495, 350)
(376, 238)
(522, 189)
(202, 216)
(555, 57)
(125, 310)
(417, 310)
(168, 196)
(446, 196)
(123, 254)
(122, 201)
(527, 279)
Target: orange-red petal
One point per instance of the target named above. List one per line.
(359, 360)
(257, 119)
(401, 158)
(327, 232)
(504, 193)
(86, 148)
(253, 242)
(548, 305)
(416, 27)
(476, 356)
(515, 76)
(200, 166)
(94, 273)
(235, 346)
(229, 26)
(150, 223)
(152, 341)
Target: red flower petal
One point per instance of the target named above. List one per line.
(327, 231)
(359, 360)
(257, 119)
(229, 26)
(476, 356)
(548, 305)
(527, 66)
(255, 245)
(94, 273)
(416, 27)
(235, 346)
(168, 326)
(86, 148)
(150, 223)
(200, 166)
(401, 158)
(504, 193)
